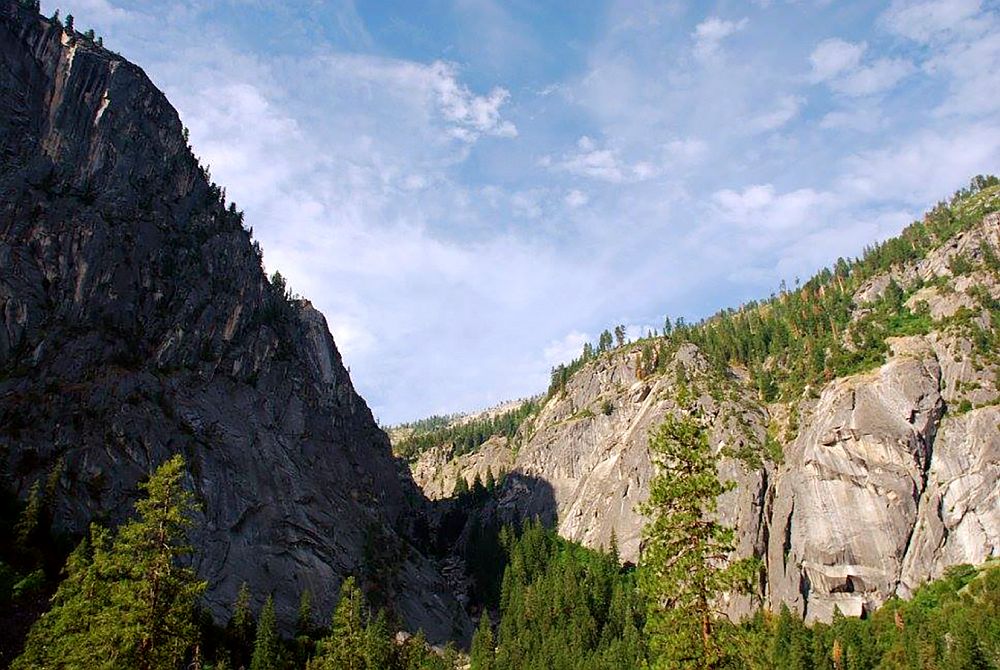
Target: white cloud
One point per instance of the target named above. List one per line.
(831, 57)
(761, 207)
(964, 51)
(861, 119)
(565, 349)
(880, 76)
(708, 35)
(924, 168)
(787, 108)
(931, 19)
(468, 115)
(686, 150)
(99, 12)
(839, 64)
(656, 193)
(527, 204)
(605, 164)
(576, 198)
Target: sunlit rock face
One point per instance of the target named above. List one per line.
(885, 482)
(136, 322)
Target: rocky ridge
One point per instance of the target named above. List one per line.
(136, 322)
(875, 482)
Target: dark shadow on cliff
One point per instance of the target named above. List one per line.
(465, 533)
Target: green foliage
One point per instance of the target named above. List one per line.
(29, 521)
(240, 630)
(125, 602)
(952, 623)
(686, 563)
(464, 436)
(266, 648)
(279, 301)
(483, 655)
(359, 641)
(563, 607)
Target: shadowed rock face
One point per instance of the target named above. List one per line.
(136, 322)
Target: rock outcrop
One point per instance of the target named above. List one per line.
(136, 322)
(884, 479)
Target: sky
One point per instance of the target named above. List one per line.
(471, 189)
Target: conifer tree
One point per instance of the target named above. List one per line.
(241, 628)
(344, 647)
(378, 643)
(477, 488)
(483, 646)
(491, 482)
(126, 603)
(29, 520)
(266, 646)
(304, 644)
(685, 563)
(303, 622)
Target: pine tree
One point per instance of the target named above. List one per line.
(685, 563)
(491, 482)
(378, 649)
(483, 646)
(29, 520)
(266, 646)
(303, 623)
(344, 647)
(241, 628)
(620, 335)
(304, 644)
(126, 603)
(477, 488)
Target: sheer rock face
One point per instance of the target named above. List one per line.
(846, 501)
(885, 483)
(136, 322)
(437, 470)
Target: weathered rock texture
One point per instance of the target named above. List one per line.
(436, 472)
(887, 480)
(136, 322)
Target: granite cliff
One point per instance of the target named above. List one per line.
(854, 490)
(136, 322)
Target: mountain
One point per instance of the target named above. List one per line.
(136, 322)
(857, 415)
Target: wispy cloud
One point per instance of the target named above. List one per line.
(709, 34)
(469, 201)
(839, 64)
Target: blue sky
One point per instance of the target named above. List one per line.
(470, 189)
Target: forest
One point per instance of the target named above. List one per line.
(464, 436)
(126, 598)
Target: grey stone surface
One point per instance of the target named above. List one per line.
(136, 322)
(886, 482)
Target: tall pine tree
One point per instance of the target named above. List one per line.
(686, 561)
(126, 602)
(266, 646)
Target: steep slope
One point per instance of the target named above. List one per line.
(851, 488)
(136, 322)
